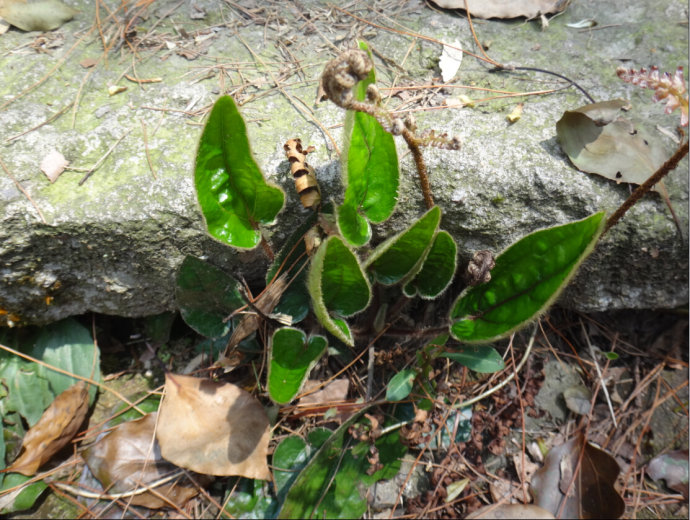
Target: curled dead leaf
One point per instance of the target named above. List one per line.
(128, 459)
(57, 426)
(213, 428)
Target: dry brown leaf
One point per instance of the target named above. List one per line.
(53, 165)
(125, 460)
(36, 15)
(56, 427)
(506, 8)
(213, 428)
(511, 511)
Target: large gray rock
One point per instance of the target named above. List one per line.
(113, 244)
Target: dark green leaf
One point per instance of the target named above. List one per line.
(402, 256)
(527, 278)
(289, 457)
(206, 296)
(400, 386)
(371, 173)
(292, 357)
(251, 499)
(438, 269)
(484, 360)
(338, 287)
(234, 196)
(28, 391)
(291, 258)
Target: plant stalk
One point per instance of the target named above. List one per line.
(643, 188)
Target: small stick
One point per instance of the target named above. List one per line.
(643, 188)
(46, 122)
(90, 171)
(601, 377)
(146, 149)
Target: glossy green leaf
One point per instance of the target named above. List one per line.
(67, 345)
(527, 278)
(289, 457)
(206, 296)
(292, 357)
(338, 287)
(25, 498)
(402, 256)
(335, 481)
(482, 359)
(235, 198)
(370, 171)
(251, 499)
(400, 386)
(438, 269)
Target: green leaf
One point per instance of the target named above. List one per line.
(482, 359)
(250, 499)
(370, 171)
(528, 276)
(23, 500)
(28, 391)
(289, 457)
(69, 346)
(206, 296)
(233, 194)
(438, 269)
(292, 357)
(335, 481)
(338, 287)
(402, 256)
(400, 386)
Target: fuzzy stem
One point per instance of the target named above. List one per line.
(413, 145)
(636, 195)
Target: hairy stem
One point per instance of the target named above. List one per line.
(413, 145)
(636, 195)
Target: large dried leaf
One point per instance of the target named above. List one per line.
(128, 459)
(213, 428)
(39, 15)
(598, 140)
(589, 485)
(505, 8)
(56, 427)
(516, 511)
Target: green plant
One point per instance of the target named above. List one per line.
(325, 268)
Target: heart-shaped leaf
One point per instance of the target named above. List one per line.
(235, 198)
(292, 357)
(526, 280)
(338, 287)
(402, 256)
(371, 174)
